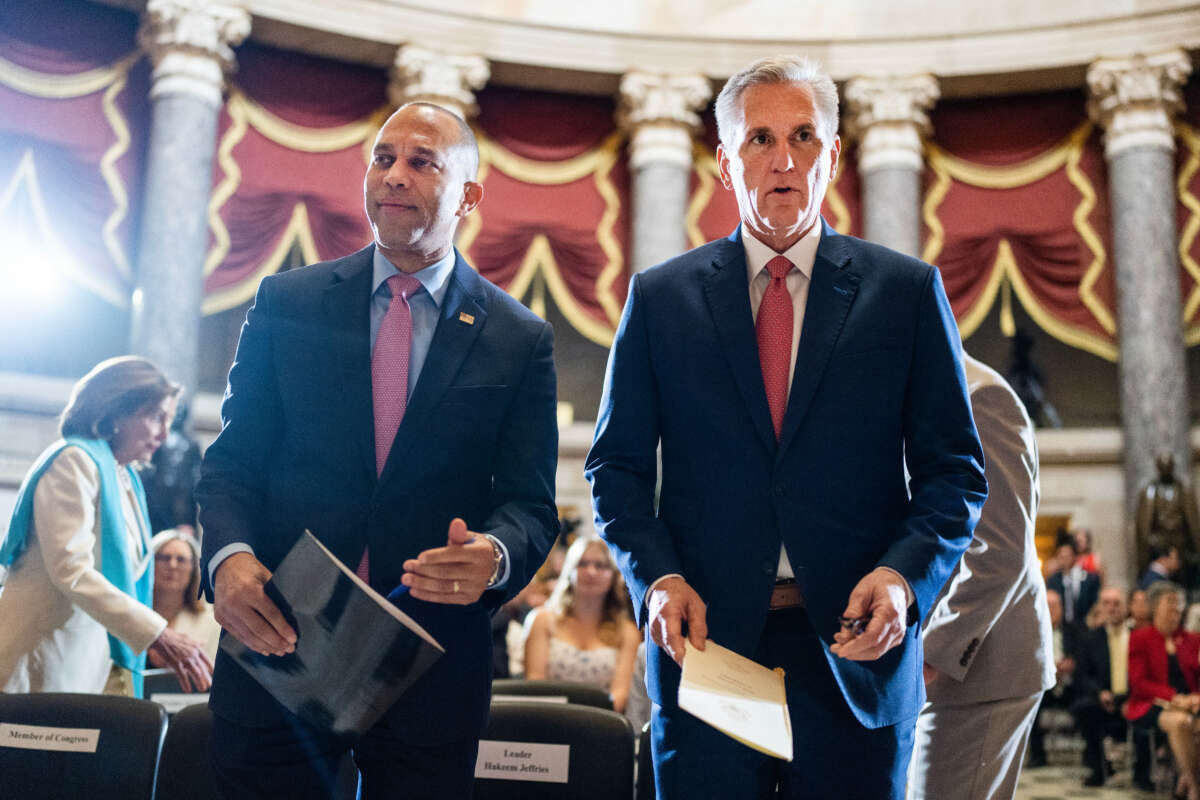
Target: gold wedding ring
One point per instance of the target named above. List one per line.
(456, 587)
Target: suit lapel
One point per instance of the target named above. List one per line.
(727, 292)
(346, 306)
(831, 292)
(452, 340)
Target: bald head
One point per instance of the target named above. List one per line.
(1112, 606)
(465, 146)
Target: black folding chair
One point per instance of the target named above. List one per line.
(584, 694)
(645, 766)
(597, 745)
(115, 740)
(185, 770)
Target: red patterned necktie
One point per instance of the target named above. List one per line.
(389, 373)
(774, 330)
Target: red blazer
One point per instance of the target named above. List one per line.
(1148, 667)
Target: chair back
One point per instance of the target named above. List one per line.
(645, 766)
(535, 751)
(56, 745)
(185, 770)
(584, 694)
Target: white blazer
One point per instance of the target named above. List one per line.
(56, 608)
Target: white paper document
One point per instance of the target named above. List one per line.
(738, 697)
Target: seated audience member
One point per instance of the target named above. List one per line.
(585, 632)
(1077, 587)
(1088, 559)
(1101, 686)
(1164, 664)
(1164, 565)
(177, 589)
(1064, 639)
(1139, 609)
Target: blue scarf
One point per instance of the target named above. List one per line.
(115, 559)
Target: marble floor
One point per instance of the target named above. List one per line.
(1066, 783)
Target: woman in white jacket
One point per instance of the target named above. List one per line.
(75, 610)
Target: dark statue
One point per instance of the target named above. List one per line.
(1166, 517)
(1027, 381)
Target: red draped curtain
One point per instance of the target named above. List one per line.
(72, 136)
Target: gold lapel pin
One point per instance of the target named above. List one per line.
(465, 317)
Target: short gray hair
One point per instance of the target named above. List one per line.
(778, 69)
(1160, 589)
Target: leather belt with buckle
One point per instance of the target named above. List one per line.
(786, 594)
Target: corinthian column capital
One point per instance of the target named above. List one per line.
(442, 78)
(1134, 99)
(886, 115)
(190, 44)
(659, 112)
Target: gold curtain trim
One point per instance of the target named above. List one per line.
(63, 87)
(1067, 154)
(1068, 334)
(606, 235)
(299, 137)
(112, 79)
(108, 169)
(224, 190)
(1010, 176)
(1190, 139)
(298, 230)
(55, 251)
(550, 173)
(841, 214)
(706, 181)
(539, 256)
(597, 162)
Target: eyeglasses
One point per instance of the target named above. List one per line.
(167, 559)
(603, 566)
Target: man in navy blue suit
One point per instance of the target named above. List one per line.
(787, 376)
(403, 409)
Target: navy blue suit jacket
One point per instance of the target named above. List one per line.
(878, 380)
(479, 440)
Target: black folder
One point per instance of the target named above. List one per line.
(356, 653)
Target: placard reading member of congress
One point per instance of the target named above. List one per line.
(737, 696)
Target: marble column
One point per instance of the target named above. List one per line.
(886, 117)
(447, 80)
(189, 43)
(659, 113)
(1134, 99)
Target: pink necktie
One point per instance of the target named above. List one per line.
(774, 330)
(389, 374)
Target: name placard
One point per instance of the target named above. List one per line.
(174, 702)
(529, 698)
(41, 737)
(523, 761)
